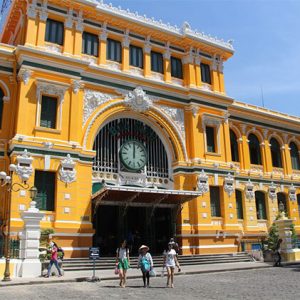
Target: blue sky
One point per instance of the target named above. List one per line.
(266, 64)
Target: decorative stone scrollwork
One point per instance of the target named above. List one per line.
(67, 172)
(76, 85)
(32, 10)
(138, 100)
(272, 191)
(202, 183)
(177, 115)
(24, 75)
(250, 190)
(47, 88)
(93, 99)
(292, 193)
(24, 166)
(229, 184)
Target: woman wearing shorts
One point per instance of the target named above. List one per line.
(123, 262)
(170, 261)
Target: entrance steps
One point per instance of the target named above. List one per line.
(108, 263)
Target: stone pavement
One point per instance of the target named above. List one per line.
(78, 276)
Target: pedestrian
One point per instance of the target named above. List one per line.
(145, 263)
(278, 254)
(174, 245)
(170, 261)
(123, 262)
(53, 259)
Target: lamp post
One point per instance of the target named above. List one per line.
(6, 180)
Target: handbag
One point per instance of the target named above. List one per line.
(152, 273)
(117, 271)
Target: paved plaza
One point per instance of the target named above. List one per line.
(269, 283)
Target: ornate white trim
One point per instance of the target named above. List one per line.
(249, 188)
(272, 191)
(76, 86)
(229, 184)
(186, 29)
(32, 10)
(292, 193)
(177, 115)
(24, 166)
(138, 101)
(92, 100)
(53, 48)
(202, 183)
(6, 91)
(67, 172)
(24, 75)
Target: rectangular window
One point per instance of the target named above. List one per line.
(48, 112)
(54, 32)
(1, 107)
(298, 201)
(136, 57)
(239, 204)
(176, 68)
(205, 73)
(210, 139)
(90, 44)
(157, 62)
(114, 50)
(45, 184)
(215, 201)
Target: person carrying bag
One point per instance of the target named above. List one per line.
(145, 263)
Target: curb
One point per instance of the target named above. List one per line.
(110, 278)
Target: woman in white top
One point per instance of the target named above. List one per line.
(123, 262)
(170, 261)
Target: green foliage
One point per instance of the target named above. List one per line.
(44, 244)
(273, 236)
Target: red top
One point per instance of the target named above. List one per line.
(54, 253)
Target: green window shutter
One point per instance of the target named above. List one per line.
(254, 149)
(294, 156)
(260, 205)
(54, 32)
(205, 73)
(239, 204)
(1, 107)
(48, 112)
(234, 147)
(136, 57)
(114, 50)
(215, 201)
(90, 44)
(176, 67)
(45, 184)
(210, 139)
(157, 62)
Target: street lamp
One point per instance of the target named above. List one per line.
(6, 180)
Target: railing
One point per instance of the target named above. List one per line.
(14, 248)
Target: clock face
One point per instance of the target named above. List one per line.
(133, 155)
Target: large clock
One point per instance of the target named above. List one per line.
(133, 155)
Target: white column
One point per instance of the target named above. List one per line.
(30, 243)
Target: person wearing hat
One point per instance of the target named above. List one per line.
(145, 263)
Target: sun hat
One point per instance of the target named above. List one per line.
(144, 247)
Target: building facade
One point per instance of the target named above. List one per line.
(123, 124)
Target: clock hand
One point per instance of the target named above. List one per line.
(133, 151)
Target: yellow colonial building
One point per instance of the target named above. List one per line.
(124, 126)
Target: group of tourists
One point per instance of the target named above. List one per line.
(145, 263)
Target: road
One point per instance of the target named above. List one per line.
(271, 283)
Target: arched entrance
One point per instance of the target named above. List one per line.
(130, 159)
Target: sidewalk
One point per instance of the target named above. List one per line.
(77, 276)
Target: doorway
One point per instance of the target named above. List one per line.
(139, 225)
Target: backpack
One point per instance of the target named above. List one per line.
(61, 251)
(145, 264)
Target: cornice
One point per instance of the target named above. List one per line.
(184, 31)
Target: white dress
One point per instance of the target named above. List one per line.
(170, 258)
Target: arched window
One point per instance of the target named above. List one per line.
(276, 153)
(254, 149)
(294, 156)
(281, 197)
(260, 205)
(1, 107)
(234, 146)
(239, 204)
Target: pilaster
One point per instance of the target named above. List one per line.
(102, 46)
(125, 52)
(69, 34)
(147, 59)
(78, 35)
(167, 66)
(198, 71)
(215, 76)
